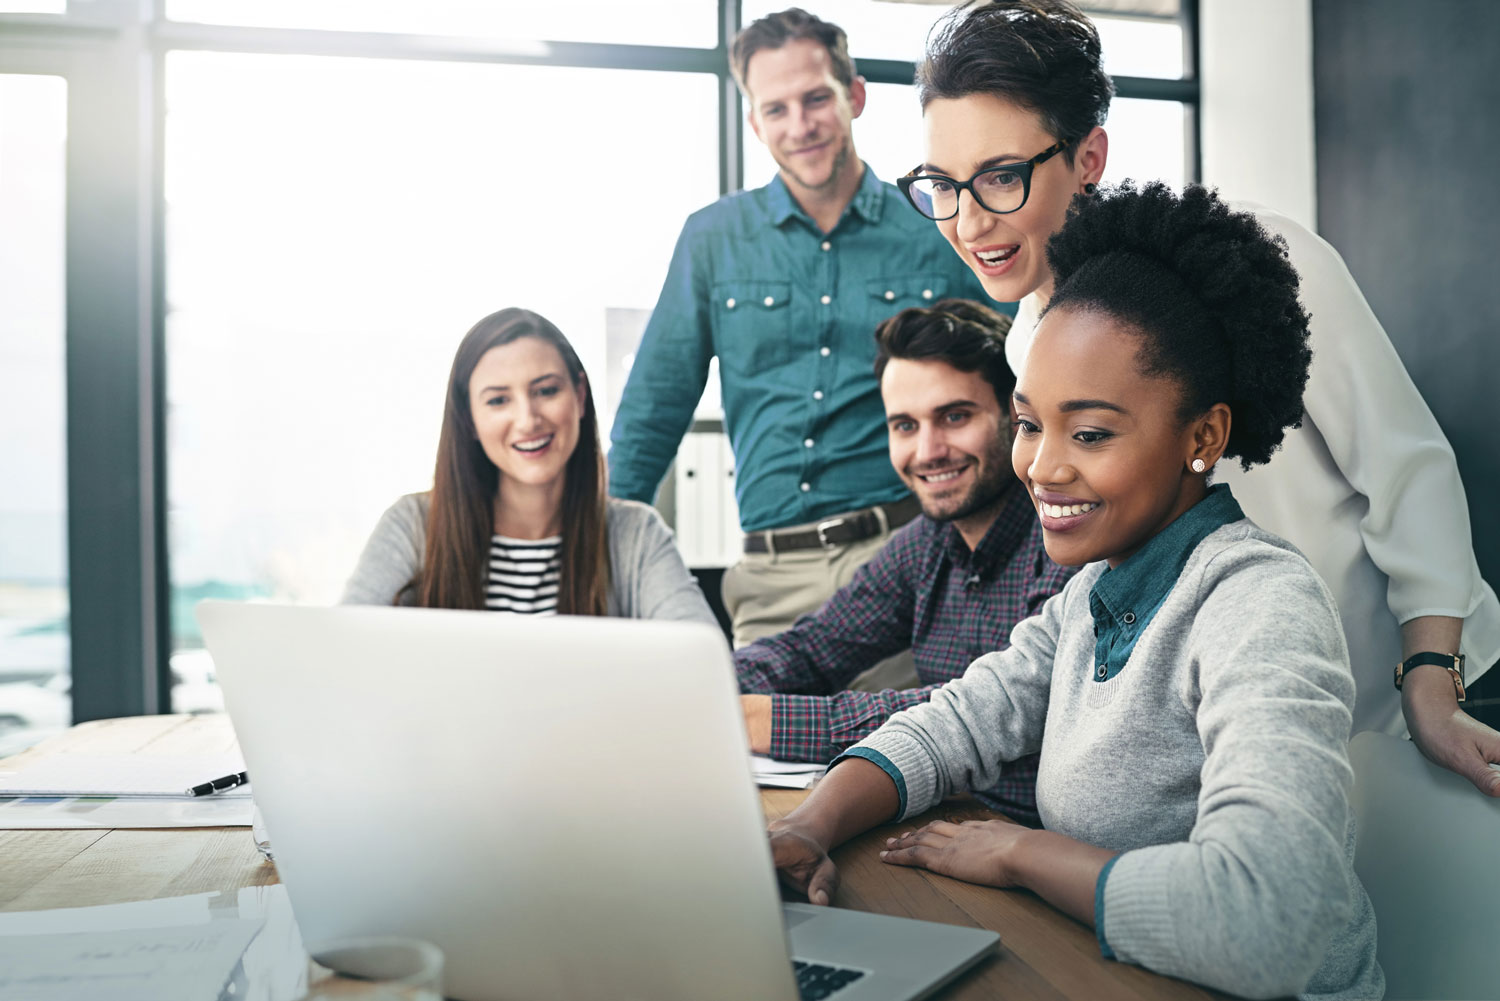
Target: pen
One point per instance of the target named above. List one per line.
(219, 785)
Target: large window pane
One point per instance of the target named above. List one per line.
(1133, 46)
(1147, 141)
(34, 661)
(334, 227)
(663, 22)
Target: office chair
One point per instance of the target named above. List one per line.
(1427, 855)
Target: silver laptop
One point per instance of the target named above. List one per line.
(563, 805)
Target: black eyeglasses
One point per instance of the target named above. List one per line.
(1001, 189)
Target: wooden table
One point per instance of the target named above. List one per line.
(1043, 954)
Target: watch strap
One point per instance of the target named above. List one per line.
(1453, 663)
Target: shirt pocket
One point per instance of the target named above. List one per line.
(752, 325)
(885, 297)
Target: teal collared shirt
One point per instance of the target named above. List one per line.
(1125, 598)
(790, 312)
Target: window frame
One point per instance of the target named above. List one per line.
(112, 54)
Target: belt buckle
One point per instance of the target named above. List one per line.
(822, 529)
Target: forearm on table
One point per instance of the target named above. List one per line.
(852, 798)
(1060, 870)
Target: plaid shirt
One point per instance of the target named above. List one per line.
(925, 591)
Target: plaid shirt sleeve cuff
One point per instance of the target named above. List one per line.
(799, 728)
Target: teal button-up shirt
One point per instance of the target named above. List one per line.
(1125, 598)
(790, 312)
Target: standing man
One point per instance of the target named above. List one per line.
(950, 586)
(784, 285)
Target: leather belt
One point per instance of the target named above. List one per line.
(839, 530)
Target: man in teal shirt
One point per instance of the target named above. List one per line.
(785, 284)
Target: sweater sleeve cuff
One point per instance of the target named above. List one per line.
(799, 728)
(1104, 948)
(875, 757)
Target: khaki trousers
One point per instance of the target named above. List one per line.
(765, 594)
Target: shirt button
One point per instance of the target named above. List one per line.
(1128, 618)
(1103, 670)
(728, 303)
(889, 295)
(817, 394)
(827, 245)
(806, 487)
(770, 300)
(825, 351)
(826, 299)
(807, 443)
(927, 293)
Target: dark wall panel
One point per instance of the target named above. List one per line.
(1407, 99)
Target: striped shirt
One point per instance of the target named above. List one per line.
(523, 575)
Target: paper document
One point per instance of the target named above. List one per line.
(122, 775)
(784, 774)
(238, 945)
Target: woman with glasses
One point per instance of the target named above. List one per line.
(1014, 99)
(517, 519)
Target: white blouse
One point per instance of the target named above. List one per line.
(1367, 488)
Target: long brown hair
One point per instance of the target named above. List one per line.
(461, 515)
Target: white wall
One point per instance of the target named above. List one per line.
(1255, 63)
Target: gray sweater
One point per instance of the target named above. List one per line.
(648, 577)
(1215, 760)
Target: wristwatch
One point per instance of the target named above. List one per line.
(1453, 663)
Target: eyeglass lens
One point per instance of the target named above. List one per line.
(1000, 189)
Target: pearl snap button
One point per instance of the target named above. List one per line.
(729, 303)
(927, 293)
(1103, 671)
(1128, 618)
(826, 299)
(817, 394)
(807, 442)
(889, 295)
(827, 245)
(806, 487)
(770, 300)
(825, 352)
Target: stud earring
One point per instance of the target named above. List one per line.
(1090, 188)
(1198, 465)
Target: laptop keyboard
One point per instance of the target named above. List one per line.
(816, 981)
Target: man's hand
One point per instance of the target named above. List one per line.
(758, 721)
(802, 863)
(977, 851)
(1445, 734)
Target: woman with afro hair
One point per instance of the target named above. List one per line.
(1189, 690)
(1014, 100)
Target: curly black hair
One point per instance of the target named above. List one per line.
(1213, 295)
(1043, 55)
(958, 332)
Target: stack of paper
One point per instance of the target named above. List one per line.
(784, 774)
(82, 790)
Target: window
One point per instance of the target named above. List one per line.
(334, 226)
(34, 659)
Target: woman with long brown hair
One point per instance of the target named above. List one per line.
(518, 519)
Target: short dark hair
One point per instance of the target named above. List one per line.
(775, 30)
(1042, 55)
(956, 332)
(1212, 294)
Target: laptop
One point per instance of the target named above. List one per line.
(563, 805)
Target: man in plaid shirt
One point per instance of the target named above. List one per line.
(949, 586)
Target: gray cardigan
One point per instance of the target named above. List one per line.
(1215, 760)
(648, 578)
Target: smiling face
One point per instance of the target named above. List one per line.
(1101, 446)
(1007, 252)
(526, 412)
(803, 114)
(949, 440)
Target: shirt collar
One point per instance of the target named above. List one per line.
(1012, 522)
(1144, 579)
(868, 201)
